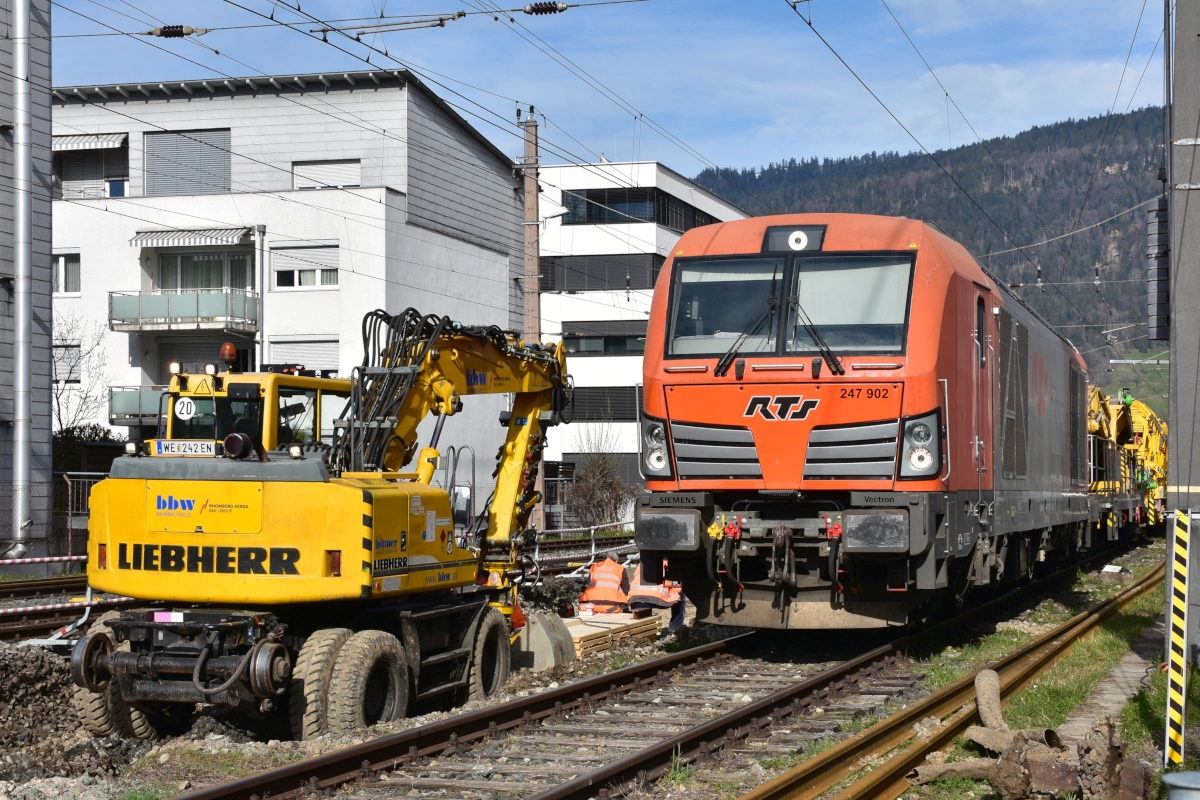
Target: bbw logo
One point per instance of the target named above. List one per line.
(169, 503)
(1040, 384)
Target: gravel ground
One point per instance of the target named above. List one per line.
(44, 755)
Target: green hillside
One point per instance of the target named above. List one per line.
(1035, 192)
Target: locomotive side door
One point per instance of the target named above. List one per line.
(975, 367)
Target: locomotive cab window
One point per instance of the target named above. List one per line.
(717, 300)
(858, 304)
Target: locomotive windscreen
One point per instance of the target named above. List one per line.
(858, 303)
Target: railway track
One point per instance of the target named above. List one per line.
(560, 556)
(42, 588)
(624, 729)
(37, 608)
(954, 704)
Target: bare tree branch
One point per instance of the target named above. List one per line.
(79, 389)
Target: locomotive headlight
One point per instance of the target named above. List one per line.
(921, 447)
(919, 432)
(920, 459)
(655, 461)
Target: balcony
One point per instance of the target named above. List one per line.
(134, 405)
(232, 310)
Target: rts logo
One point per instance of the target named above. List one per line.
(785, 407)
(171, 503)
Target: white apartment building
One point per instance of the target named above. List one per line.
(608, 229)
(274, 213)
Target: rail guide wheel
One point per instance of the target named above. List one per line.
(103, 711)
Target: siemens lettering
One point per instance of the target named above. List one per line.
(240, 560)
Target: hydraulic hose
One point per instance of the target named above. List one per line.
(237, 672)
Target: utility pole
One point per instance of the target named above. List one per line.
(22, 441)
(531, 286)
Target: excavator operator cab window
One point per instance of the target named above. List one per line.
(214, 417)
(297, 415)
(333, 404)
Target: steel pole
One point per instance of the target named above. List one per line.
(22, 278)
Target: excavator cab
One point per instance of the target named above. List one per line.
(268, 412)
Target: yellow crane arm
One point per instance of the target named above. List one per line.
(461, 365)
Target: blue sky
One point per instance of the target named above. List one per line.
(742, 83)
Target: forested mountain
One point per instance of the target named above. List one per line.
(1033, 186)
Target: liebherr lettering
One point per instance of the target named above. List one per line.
(226, 560)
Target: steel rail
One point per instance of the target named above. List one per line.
(337, 768)
(20, 590)
(887, 781)
(362, 761)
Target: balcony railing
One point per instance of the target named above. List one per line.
(183, 310)
(134, 405)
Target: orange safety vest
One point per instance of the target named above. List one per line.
(604, 590)
(663, 595)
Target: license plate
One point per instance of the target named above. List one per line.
(184, 447)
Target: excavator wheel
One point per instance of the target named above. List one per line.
(490, 657)
(309, 699)
(369, 684)
(106, 712)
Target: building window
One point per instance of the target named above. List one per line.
(605, 338)
(193, 271)
(592, 273)
(66, 273)
(616, 206)
(66, 362)
(305, 267)
(91, 174)
(607, 403)
(340, 174)
(191, 162)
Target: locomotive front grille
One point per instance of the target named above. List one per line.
(712, 451)
(852, 452)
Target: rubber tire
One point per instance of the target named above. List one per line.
(309, 687)
(366, 659)
(105, 713)
(491, 657)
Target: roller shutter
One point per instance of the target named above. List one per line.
(191, 355)
(607, 403)
(305, 258)
(194, 162)
(326, 174)
(315, 354)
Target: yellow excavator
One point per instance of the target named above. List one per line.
(285, 557)
(1128, 455)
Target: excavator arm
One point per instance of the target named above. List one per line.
(415, 366)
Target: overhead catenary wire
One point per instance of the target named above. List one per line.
(274, 166)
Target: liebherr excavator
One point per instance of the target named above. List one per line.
(285, 558)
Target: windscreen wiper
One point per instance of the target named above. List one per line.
(768, 313)
(835, 366)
